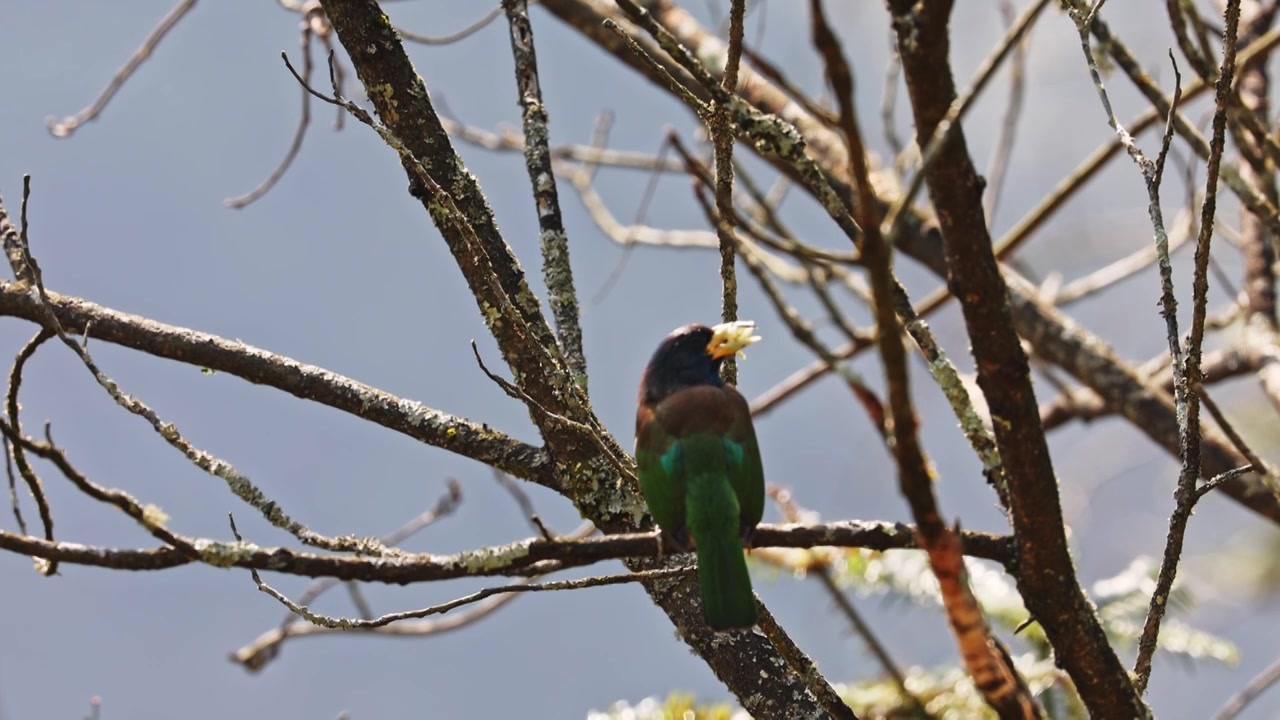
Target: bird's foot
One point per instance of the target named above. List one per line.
(681, 540)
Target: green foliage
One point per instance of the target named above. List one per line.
(1122, 601)
(1122, 605)
(677, 706)
(906, 575)
(948, 692)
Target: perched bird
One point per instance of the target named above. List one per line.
(699, 462)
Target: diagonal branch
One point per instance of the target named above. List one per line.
(985, 658)
(64, 127)
(262, 367)
(1190, 377)
(453, 198)
(1048, 582)
(1052, 335)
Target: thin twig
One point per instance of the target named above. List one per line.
(1228, 428)
(445, 506)
(1186, 495)
(1067, 188)
(1009, 123)
(1258, 685)
(518, 494)
(314, 24)
(441, 608)
(149, 517)
(66, 126)
(240, 485)
(265, 648)
(620, 461)
(14, 502)
(956, 113)
(17, 454)
(457, 35)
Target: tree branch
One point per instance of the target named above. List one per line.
(262, 367)
(985, 658)
(524, 557)
(556, 269)
(1048, 581)
(1053, 336)
(457, 205)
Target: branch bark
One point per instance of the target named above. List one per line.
(262, 367)
(1053, 336)
(748, 663)
(1048, 582)
(521, 558)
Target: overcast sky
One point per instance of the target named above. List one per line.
(340, 268)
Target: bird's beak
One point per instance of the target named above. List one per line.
(730, 338)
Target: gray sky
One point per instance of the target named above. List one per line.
(339, 267)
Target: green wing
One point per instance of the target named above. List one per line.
(702, 476)
(660, 456)
(661, 476)
(746, 473)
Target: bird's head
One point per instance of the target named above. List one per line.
(692, 355)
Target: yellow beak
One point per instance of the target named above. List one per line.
(730, 338)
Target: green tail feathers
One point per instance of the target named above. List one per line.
(727, 600)
(712, 515)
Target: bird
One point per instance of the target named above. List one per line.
(699, 464)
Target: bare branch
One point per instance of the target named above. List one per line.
(1258, 685)
(255, 656)
(314, 25)
(341, 623)
(556, 269)
(16, 453)
(65, 127)
(479, 24)
(308, 382)
(1190, 377)
(985, 658)
(721, 129)
(521, 558)
(1048, 582)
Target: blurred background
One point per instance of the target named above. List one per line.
(338, 266)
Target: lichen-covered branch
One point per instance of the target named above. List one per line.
(556, 269)
(521, 558)
(457, 205)
(1124, 390)
(1052, 335)
(262, 367)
